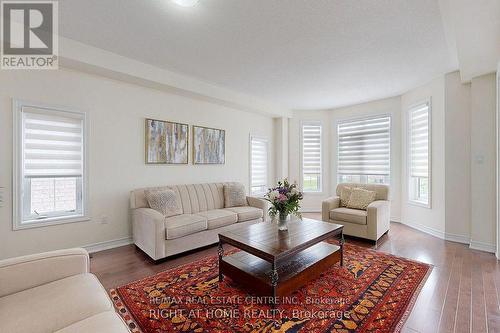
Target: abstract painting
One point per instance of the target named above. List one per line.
(166, 142)
(209, 145)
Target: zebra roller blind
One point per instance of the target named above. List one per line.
(364, 148)
(311, 157)
(419, 141)
(259, 164)
(52, 144)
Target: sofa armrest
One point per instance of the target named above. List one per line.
(378, 218)
(260, 203)
(148, 230)
(21, 273)
(327, 205)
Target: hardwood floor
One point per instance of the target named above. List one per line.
(461, 294)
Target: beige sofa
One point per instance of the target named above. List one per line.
(54, 292)
(371, 223)
(204, 216)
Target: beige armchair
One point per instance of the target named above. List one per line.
(371, 223)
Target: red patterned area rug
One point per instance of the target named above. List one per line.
(373, 292)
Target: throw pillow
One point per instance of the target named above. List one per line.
(164, 201)
(361, 198)
(345, 194)
(234, 195)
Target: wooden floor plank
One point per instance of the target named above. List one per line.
(490, 295)
(479, 323)
(464, 306)
(449, 309)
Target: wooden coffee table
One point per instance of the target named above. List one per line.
(276, 263)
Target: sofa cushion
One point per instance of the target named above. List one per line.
(185, 224)
(217, 218)
(246, 213)
(53, 306)
(165, 201)
(234, 195)
(104, 322)
(348, 215)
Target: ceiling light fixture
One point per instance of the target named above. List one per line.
(186, 3)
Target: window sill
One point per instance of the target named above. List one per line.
(313, 193)
(419, 204)
(50, 221)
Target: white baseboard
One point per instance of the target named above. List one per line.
(481, 246)
(457, 238)
(475, 245)
(428, 230)
(310, 211)
(101, 246)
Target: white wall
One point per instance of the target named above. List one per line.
(116, 111)
(281, 147)
(483, 163)
(329, 119)
(457, 158)
(498, 164)
(429, 219)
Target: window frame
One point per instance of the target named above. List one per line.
(262, 138)
(410, 187)
(301, 154)
(358, 118)
(17, 170)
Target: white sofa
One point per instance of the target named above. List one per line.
(54, 292)
(371, 223)
(204, 216)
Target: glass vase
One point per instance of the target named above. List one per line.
(283, 221)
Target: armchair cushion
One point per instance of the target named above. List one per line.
(381, 189)
(360, 198)
(345, 195)
(349, 215)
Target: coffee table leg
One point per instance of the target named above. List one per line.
(274, 281)
(220, 251)
(341, 243)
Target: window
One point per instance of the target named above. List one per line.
(419, 154)
(50, 175)
(364, 150)
(258, 165)
(311, 157)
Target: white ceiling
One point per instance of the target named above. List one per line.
(312, 54)
(473, 28)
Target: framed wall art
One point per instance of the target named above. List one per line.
(166, 142)
(209, 145)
